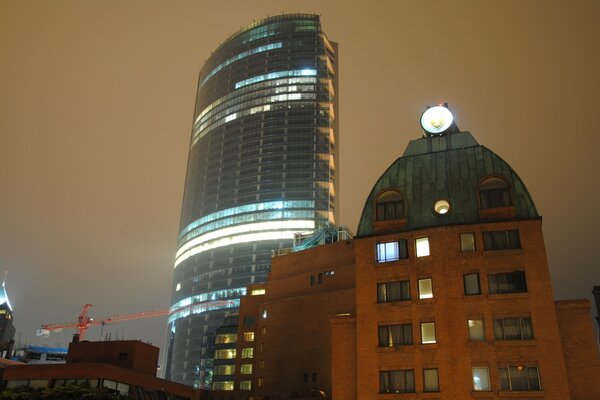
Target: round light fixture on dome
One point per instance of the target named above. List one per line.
(441, 207)
(436, 120)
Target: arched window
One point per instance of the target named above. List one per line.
(494, 192)
(390, 205)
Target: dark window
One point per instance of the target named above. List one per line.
(320, 278)
(431, 380)
(392, 251)
(390, 205)
(513, 329)
(393, 291)
(494, 192)
(399, 381)
(471, 284)
(314, 376)
(249, 321)
(122, 356)
(306, 377)
(312, 280)
(519, 378)
(501, 240)
(507, 282)
(395, 335)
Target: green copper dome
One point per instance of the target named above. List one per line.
(452, 168)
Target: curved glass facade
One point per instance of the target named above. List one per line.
(261, 168)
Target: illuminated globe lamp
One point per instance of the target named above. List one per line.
(437, 120)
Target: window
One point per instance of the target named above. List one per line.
(513, 329)
(431, 380)
(476, 329)
(314, 376)
(305, 377)
(393, 291)
(507, 282)
(519, 378)
(390, 205)
(399, 381)
(246, 369)
(249, 321)
(224, 354)
(481, 379)
(494, 192)
(392, 251)
(224, 369)
(226, 338)
(248, 352)
(395, 335)
(422, 246)
(501, 240)
(312, 280)
(425, 288)
(467, 242)
(428, 332)
(248, 336)
(224, 385)
(261, 381)
(245, 385)
(257, 292)
(471, 284)
(320, 278)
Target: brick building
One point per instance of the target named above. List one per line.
(444, 293)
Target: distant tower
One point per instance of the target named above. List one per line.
(262, 167)
(7, 329)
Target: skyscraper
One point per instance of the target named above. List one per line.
(261, 167)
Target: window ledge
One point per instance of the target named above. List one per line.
(380, 264)
(507, 296)
(403, 348)
(428, 346)
(514, 343)
(396, 303)
(431, 395)
(473, 297)
(502, 252)
(521, 394)
(498, 212)
(390, 225)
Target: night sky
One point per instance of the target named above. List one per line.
(96, 103)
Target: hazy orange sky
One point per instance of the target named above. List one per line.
(96, 103)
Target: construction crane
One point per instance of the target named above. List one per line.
(84, 321)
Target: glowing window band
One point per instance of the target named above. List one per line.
(275, 75)
(255, 90)
(268, 205)
(273, 230)
(202, 308)
(247, 217)
(215, 295)
(238, 57)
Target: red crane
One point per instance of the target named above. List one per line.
(84, 321)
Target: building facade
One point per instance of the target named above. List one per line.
(261, 168)
(444, 293)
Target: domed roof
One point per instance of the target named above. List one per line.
(449, 167)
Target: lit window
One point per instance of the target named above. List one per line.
(431, 380)
(224, 369)
(395, 335)
(481, 379)
(246, 369)
(507, 282)
(224, 354)
(392, 251)
(501, 240)
(178, 287)
(261, 364)
(261, 381)
(471, 282)
(476, 329)
(467, 242)
(513, 329)
(248, 336)
(265, 314)
(226, 338)
(257, 292)
(223, 385)
(519, 378)
(422, 245)
(390, 206)
(263, 330)
(248, 352)
(393, 291)
(494, 192)
(245, 385)
(425, 288)
(441, 207)
(399, 381)
(428, 332)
